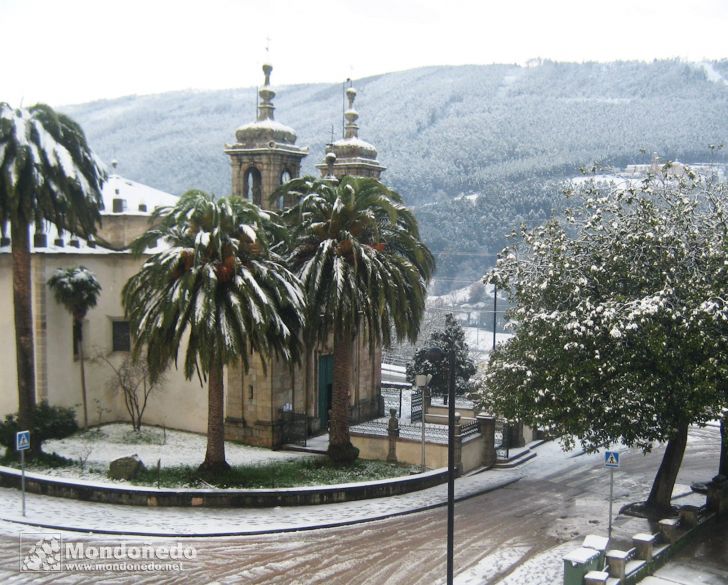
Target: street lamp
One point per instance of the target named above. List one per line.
(434, 355)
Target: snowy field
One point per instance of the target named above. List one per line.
(99, 446)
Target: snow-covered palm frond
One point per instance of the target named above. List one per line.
(224, 295)
(47, 170)
(354, 247)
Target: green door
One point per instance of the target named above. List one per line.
(325, 384)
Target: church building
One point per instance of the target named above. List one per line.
(266, 407)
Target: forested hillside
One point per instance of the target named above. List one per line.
(503, 132)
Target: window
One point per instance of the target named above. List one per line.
(252, 186)
(120, 337)
(285, 177)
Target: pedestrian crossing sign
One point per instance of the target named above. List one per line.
(611, 459)
(22, 440)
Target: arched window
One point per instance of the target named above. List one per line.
(252, 188)
(285, 177)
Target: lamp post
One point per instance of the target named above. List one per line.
(434, 355)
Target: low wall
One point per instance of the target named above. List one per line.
(475, 450)
(222, 498)
(408, 450)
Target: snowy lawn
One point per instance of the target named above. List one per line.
(179, 453)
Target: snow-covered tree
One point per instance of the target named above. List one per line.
(450, 338)
(220, 290)
(77, 289)
(47, 173)
(364, 269)
(621, 318)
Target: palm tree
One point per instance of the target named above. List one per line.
(219, 287)
(47, 173)
(77, 290)
(357, 250)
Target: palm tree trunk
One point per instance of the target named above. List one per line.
(215, 455)
(661, 494)
(341, 451)
(723, 465)
(83, 374)
(23, 309)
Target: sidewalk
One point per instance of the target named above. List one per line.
(78, 516)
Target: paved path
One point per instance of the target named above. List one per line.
(74, 515)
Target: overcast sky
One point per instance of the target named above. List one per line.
(71, 51)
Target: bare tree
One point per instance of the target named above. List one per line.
(133, 381)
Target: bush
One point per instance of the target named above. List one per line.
(48, 422)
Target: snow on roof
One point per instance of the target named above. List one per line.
(69, 244)
(134, 199)
(353, 141)
(134, 195)
(266, 125)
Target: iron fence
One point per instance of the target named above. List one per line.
(392, 398)
(294, 429)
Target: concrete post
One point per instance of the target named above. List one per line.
(689, 516)
(393, 430)
(486, 426)
(644, 543)
(670, 529)
(617, 561)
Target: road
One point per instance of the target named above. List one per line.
(515, 535)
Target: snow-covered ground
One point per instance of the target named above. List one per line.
(481, 340)
(545, 568)
(99, 446)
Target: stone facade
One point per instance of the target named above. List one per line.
(258, 399)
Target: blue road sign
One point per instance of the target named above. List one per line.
(22, 440)
(611, 459)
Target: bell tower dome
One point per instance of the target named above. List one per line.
(265, 154)
(354, 156)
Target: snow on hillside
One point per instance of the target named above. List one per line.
(712, 74)
(457, 297)
(480, 340)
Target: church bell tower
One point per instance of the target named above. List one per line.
(265, 154)
(351, 155)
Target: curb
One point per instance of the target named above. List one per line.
(145, 496)
(297, 528)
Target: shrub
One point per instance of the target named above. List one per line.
(48, 422)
